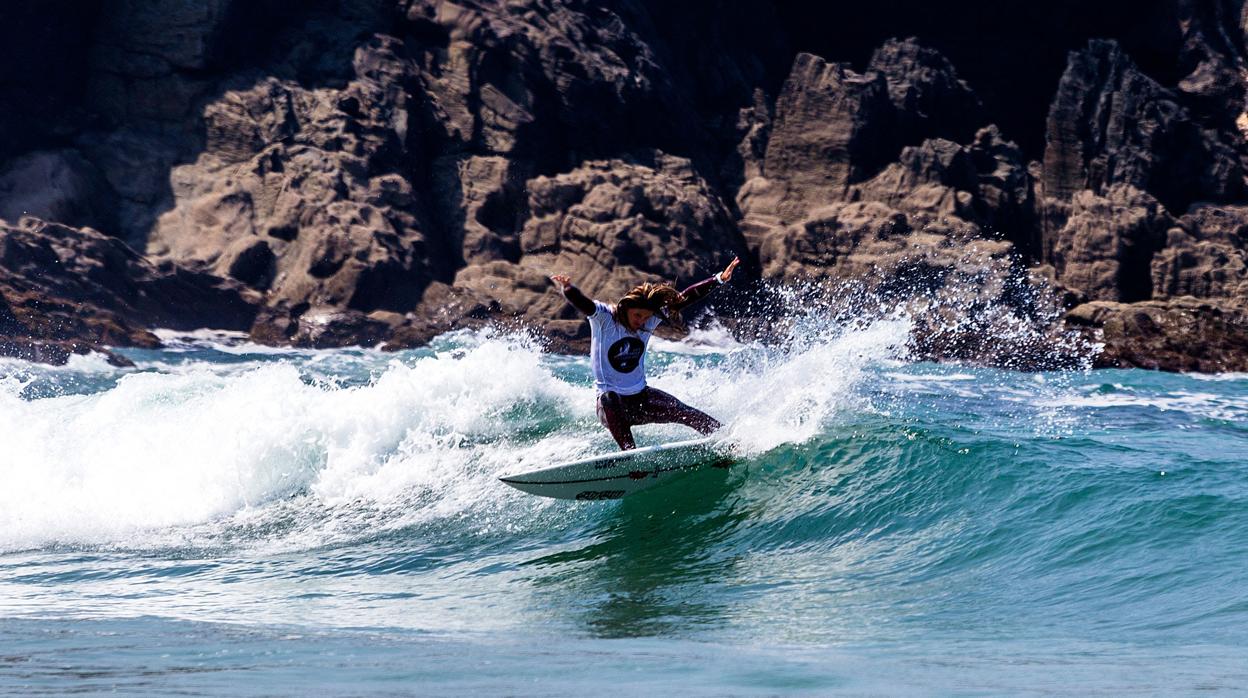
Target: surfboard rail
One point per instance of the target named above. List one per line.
(618, 474)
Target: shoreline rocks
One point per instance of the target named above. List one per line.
(381, 172)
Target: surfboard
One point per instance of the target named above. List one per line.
(618, 474)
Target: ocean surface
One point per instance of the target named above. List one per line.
(229, 519)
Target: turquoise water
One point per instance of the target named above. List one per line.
(227, 519)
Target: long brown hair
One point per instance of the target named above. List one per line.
(657, 298)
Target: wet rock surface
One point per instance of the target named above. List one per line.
(326, 174)
(72, 290)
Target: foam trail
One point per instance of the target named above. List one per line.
(160, 450)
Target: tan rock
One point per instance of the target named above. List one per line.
(609, 225)
(1179, 334)
(1106, 246)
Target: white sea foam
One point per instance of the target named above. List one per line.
(1219, 377)
(160, 450)
(1205, 405)
(93, 362)
(220, 340)
(767, 397)
(190, 450)
(712, 339)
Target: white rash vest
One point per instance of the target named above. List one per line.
(617, 354)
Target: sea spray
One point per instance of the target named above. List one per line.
(213, 439)
(366, 441)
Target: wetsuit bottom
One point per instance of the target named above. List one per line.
(620, 413)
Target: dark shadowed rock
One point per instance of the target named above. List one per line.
(1111, 124)
(149, 57)
(58, 186)
(1182, 334)
(66, 285)
(44, 50)
(751, 132)
(929, 98)
(1213, 52)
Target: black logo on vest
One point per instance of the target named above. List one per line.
(625, 354)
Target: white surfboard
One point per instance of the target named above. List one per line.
(618, 474)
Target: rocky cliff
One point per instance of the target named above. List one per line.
(338, 172)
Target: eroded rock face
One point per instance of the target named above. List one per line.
(984, 183)
(1206, 256)
(384, 170)
(1106, 248)
(833, 128)
(610, 225)
(1111, 124)
(303, 195)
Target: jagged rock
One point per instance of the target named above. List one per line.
(753, 129)
(875, 245)
(822, 244)
(834, 128)
(1213, 56)
(1181, 334)
(610, 225)
(929, 98)
(933, 180)
(985, 184)
(831, 129)
(539, 80)
(78, 289)
(1206, 256)
(297, 195)
(349, 161)
(1106, 246)
(482, 203)
(1111, 124)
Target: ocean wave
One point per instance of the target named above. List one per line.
(366, 439)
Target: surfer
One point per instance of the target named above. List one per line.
(617, 351)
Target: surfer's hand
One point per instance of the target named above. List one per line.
(726, 275)
(562, 281)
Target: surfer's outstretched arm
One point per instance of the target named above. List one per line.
(573, 294)
(702, 289)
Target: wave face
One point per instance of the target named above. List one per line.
(877, 501)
